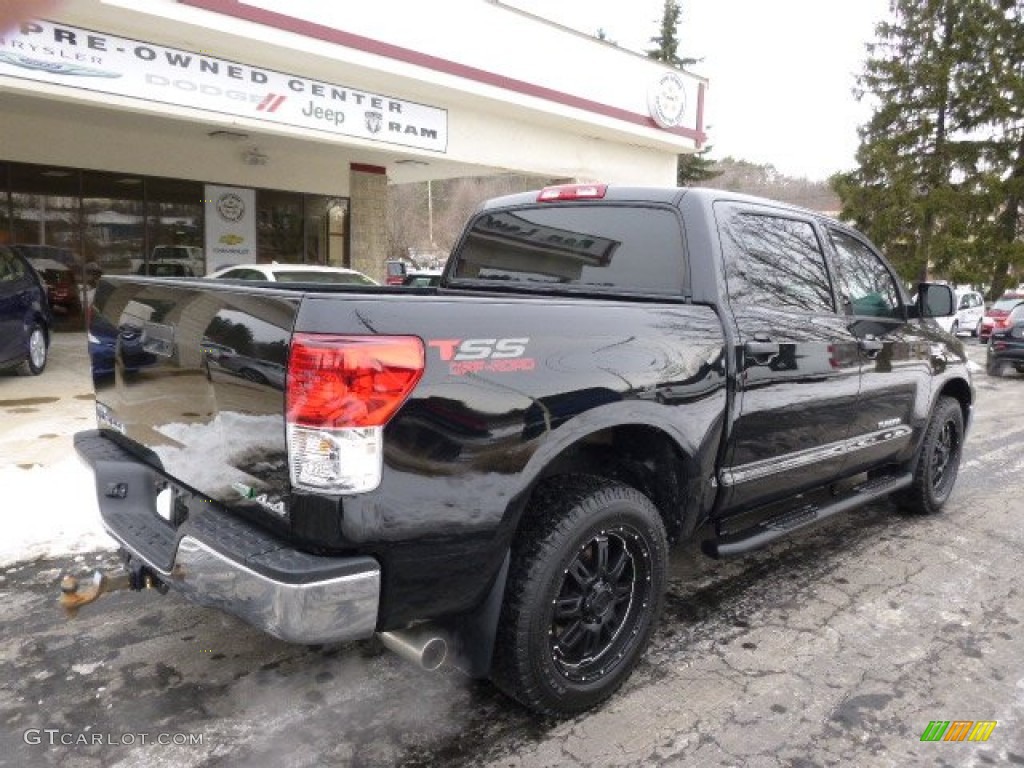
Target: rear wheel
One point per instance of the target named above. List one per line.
(939, 462)
(585, 590)
(36, 351)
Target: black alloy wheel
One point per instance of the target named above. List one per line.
(939, 460)
(945, 459)
(595, 614)
(585, 590)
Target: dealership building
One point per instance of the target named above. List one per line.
(270, 130)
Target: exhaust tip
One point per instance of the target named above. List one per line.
(434, 653)
(423, 647)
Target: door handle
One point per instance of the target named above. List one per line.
(871, 346)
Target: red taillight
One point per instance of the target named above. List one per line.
(572, 192)
(336, 382)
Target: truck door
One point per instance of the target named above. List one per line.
(895, 354)
(797, 365)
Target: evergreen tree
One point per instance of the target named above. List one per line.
(667, 43)
(938, 159)
(994, 115)
(694, 169)
(697, 167)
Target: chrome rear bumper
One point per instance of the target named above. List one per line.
(216, 559)
(332, 610)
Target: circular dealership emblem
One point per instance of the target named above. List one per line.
(230, 207)
(667, 100)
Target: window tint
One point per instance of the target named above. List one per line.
(866, 286)
(776, 262)
(599, 247)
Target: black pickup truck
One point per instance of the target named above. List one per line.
(494, 468)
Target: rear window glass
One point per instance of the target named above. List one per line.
(600, 247)
(1008, 303)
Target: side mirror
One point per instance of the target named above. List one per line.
(935, 300)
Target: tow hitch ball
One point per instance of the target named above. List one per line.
(75, 593)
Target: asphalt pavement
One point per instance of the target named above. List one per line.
(837, 647)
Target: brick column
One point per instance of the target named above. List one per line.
(368, 219)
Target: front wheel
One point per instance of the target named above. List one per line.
(36, 352)
(954, 329)
(939, 462)
(584, 594)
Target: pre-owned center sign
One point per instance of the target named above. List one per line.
(80, 58)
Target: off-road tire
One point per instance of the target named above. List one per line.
(939, 461)
(585, 589)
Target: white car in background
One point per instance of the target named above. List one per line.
(970, 308)
(293, 273)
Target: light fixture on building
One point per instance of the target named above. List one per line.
(253, 156)
(411, 161)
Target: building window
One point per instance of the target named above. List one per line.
(279, 225)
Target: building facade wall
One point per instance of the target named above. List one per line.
(368, 220)
(519, 95)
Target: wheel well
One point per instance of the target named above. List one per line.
(961, 392)
(643, 457)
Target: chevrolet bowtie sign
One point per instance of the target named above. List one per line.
(78, 58)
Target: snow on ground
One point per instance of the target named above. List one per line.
(49, 511)
(49, 500)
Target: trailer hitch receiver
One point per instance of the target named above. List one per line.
(75, 593)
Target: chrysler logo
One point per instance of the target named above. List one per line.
(230, 207)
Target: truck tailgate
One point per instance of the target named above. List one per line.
(193, 373)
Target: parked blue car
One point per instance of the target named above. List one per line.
(25, 316)
(104, 339)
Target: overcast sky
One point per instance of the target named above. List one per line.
(780, 71)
